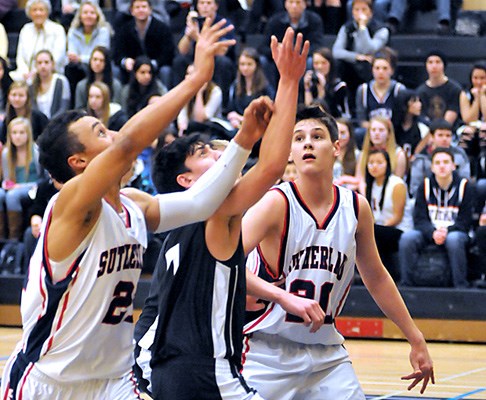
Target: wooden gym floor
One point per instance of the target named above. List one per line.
(460, 369)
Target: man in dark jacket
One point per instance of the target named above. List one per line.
(143, 35)
(442, 215)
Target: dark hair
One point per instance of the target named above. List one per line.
(389, 55)
(442, 150)
(107, 71)
(138, 96)
(133, 1)
(439, 54)
(169, 162)
(5, 82)
(259, 81)
(439, 124)
(349, 158)
(369, 179)
(318, 113)
(400, 107)
(326, 53)
(479, 65)
(37, 82)
(57, 144)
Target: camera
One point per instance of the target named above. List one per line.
(314, 79)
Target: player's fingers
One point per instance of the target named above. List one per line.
(424, 384)
(298, 43)
(288, 39)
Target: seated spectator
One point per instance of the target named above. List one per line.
(123, 14)
(50, 90)
(439, 94)
(205, 105)
(99, 70)
(143, 35)
(381, 8)
(409, 127)
(19, 104)
(250, 83)
(378, 96)
(99, 106)
(442, 215)
(142, 86)
(40, 34)
(356, 43)
(345, 165)
(224, 69)
(21, 169)
(323, 86)
(388, 198)
(380, 135)
(440, 136)
(472, 101)
(88, 30)
(5, 82)
(302, 21)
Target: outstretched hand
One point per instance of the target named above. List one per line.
(422, 365)
(256, 119)
(290, 58)
(208, 45)
(307, 309)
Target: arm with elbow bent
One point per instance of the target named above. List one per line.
(201, 200)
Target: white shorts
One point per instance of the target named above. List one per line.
(38, 386)
(284, 370)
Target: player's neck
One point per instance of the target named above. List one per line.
(315, 191)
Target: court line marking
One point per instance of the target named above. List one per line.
(464, 395)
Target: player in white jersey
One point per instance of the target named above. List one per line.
(77, 303)
(310, 232)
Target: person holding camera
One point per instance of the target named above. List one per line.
(323, 86)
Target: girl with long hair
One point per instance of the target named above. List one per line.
(345, 165)
(472, 101)
(99, 106)
(249, 84)
(99, 70)
(21, 170)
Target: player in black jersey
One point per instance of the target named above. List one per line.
(201, 270)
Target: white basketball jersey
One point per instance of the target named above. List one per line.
(317, 259)
(81, 327)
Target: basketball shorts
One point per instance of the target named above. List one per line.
(190, 378)
(284, 370)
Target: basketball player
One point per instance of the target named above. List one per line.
(77, 303)
(196, 353)
(312, 232)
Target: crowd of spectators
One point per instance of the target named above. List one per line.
(396, 141)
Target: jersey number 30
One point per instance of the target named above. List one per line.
(307, 289)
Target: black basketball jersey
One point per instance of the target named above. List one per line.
(201, 299)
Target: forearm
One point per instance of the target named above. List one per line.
(200, 201)
(261, 289)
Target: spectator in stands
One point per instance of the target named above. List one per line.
(302, 21)
(99, 106)
(123, 15)
(21, 169)
(409, 127)
(378, 96)
(381, 8)
(144, 35)
(50, 90)
(323, 86)
(439, 94)
(249, 84)
(345, 165)
(88, 30)
(142, 86)
(442, 215)
(40, 34)
(3, 42)
(356, 43)
(473, 100)
(380, 135)
(5, 82)
(225, 69)
(388, 198)
(205, 105)
(99, 70)
(19, 104)
(440, 136)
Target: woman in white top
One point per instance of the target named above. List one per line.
(387, 195)
(50, 91)
(40, 34)
(205, 105)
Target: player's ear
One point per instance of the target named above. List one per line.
(77, 162)
(337, 148)
(185, 180)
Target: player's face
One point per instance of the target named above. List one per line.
(442, 165)
(442, 138)
(204, 157)
(312, 150)
(378, 133)
(377, 165)
(93, 135)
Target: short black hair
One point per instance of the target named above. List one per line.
(440, 124)
(57, 144)
(169, 162)
(442, 150)
(437, 53)
(317, 112)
